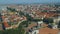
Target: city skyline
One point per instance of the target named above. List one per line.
(29, 1)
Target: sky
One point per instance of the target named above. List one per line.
(27, 1)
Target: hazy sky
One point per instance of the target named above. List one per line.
(27, 1)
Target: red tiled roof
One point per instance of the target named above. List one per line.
(46, 13)
(48, 31)
(6, 24)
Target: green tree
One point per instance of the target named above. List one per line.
(11, 9)
(48, 20)
(29, 18)
(36, 20)
(59, 24)
(21, 13)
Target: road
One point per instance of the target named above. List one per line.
(15, 26)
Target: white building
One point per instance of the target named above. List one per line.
(34, 32)
(56, 20)
(40, 23)
(55, 27)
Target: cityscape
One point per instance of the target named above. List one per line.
(30, 19)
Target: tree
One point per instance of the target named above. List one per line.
(48, 20)
(21, 13)
(29, 18)
(36, 20)
(58, 25)
(57, 6)
(11, 9)
(44, 11)
(25, 23)
(1, 18)
(3, 26)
